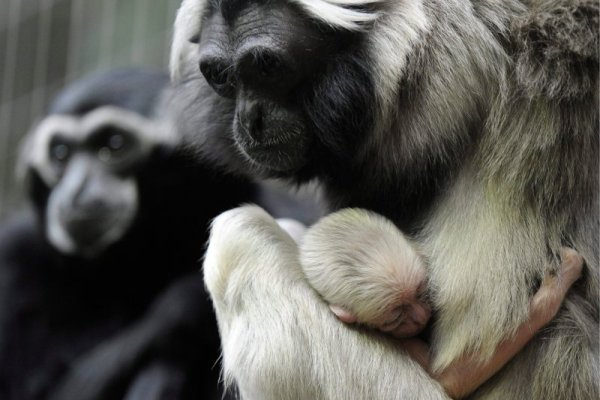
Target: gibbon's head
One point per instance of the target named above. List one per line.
(82, 159)
(300, 80)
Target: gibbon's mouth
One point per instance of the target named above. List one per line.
(88, 235)
(278, 158)
(281, 153)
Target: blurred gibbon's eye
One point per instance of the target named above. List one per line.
(60, 151)
(116, 142)
(112, 144)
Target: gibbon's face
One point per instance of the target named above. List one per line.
(406, 320)
(88, 165)
(301, 88)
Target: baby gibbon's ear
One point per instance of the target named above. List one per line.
(343, 315)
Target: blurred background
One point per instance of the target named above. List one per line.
(45, 44)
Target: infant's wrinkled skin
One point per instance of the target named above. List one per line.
(368, 271)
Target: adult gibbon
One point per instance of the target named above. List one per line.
(472, 125)
(101, 294)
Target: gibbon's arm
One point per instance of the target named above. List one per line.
(466, 374)
(115, 363)
(365, 268)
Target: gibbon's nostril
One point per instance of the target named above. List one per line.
(251, 118)
(256, 122)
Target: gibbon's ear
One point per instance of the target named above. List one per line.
(342, 314)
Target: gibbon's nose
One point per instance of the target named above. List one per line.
(421, 313)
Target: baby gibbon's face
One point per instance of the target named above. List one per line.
(407, 320)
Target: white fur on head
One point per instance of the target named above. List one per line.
(340, 14)
(36, 148)
(34, 152)
(359, 260)
(187, 25)
(150, 132)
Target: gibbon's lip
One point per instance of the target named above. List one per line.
(273, 157)
(270, 138)
(279, 153)
(90, 241)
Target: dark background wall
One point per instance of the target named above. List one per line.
(45, 44)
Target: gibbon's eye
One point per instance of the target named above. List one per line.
(112, 144)
(218, 76)
(395, 317)
(116, 142)
(60, 151)
(269, 64)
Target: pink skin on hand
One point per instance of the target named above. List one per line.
(408, 321)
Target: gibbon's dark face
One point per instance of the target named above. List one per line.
(302, 90)
(88, 164)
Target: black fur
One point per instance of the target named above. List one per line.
(119, 88)
(72, 328)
